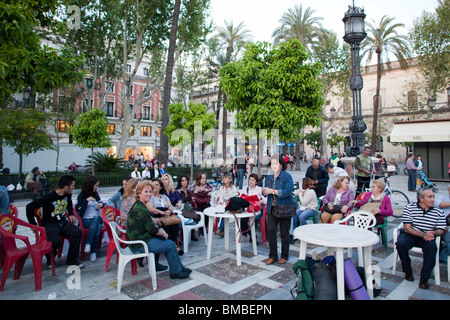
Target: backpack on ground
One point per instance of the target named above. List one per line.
(304, 287)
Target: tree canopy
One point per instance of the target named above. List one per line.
(274, 88)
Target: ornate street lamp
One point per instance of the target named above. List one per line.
(354, 34)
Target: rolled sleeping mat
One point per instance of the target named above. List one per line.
(353, 282)
(325, 287)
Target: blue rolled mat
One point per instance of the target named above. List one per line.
(353, 282)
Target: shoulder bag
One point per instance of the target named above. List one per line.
(282, 211)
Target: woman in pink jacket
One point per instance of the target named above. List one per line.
(377, 196)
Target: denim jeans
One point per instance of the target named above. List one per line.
(300, 217)
(169, 249)
(411, 180)
(95, 228)
(240, 178)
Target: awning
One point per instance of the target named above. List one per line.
(421, 131)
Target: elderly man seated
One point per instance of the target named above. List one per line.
(422, 223)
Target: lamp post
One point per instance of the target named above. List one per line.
(354, 34)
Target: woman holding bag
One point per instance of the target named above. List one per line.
(278, 188)
(376, 202)
(337, 200)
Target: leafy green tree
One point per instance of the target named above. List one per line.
(186, 123)
(106, 163)
(25, 130)
(274, 88)
(314, 140)
(23, 61)
(430, 38)
(91, 131)
(383, 40)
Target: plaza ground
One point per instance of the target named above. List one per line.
(218, 278)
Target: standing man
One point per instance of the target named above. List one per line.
(422, 223)
(363, 165)
(319, 176)
(240, 167)
(54, 207)
(410, 166)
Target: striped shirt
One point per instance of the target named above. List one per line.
(422, 220)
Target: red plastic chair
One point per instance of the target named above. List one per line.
(111, 214)
(13, 210)
(84, 233)
(18, 256)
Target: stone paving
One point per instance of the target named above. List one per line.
(216, 279)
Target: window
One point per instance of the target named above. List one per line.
(146, 131)
(62, 126)
(412, 100)
(131, 130)
(379, 144)
(147, 113)
(88, 83)
(110, 87)
(145, 72)
(111, 129)
(128, 68)
(109, 109)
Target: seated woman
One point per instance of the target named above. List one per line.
(308, 203)
(377, 202)
(115, 200)
(142, 226)
(337, 200)
(254, 190)
(201, 192)
(183, 190)
(169, 191)
(159, 205)
(128, 200)
(89, 209)
(226, 192)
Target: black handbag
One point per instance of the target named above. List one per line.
(282, 211)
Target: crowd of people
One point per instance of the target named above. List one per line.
(147, 199)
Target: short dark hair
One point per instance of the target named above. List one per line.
(161, 185)
(254, 176)
(65, 181)
(328, 166)
(280, 159)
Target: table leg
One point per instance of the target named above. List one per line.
(210, 235)
(255, 248)
(227, 233)
(302, 254)
(238, 244)
(340, 273)
(367, 254)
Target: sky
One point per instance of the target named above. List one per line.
(262, 17)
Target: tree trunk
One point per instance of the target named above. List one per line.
(224, 127)
(92, 161)
(164, 140)
(376, 105)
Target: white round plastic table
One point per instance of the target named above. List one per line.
(219, 212)
(339, 237)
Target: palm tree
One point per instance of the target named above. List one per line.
(301, 25)
(232, 39)
(384, 41)
(296, 24)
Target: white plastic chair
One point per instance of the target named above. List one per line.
(126, 255)
(188, 228)
(437, 275)
(362, 220)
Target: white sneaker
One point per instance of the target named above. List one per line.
(87, 248)
(93, 257)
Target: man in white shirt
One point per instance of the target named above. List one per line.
(335, 173)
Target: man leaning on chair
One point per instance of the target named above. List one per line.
(422, 223)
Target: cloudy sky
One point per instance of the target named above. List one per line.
(261, 17)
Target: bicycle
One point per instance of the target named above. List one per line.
(398, 199)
